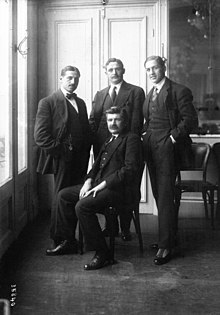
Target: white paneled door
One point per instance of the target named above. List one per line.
(86, 36)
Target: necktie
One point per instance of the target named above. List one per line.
(113, 94)
(155, 94)
(111, 140)
(70, 95)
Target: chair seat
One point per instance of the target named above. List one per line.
(195, 186)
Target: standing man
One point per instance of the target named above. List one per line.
(62, 132)
(109, 183)
(169, 119)
(120, 94)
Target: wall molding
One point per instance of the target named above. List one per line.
(77, 3)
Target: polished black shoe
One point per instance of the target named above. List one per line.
(64, 248)
(163, 256)
(126, 236)
(98, 261)
(154, 246)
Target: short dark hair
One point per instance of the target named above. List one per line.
(114, 60)
(160, 60)
(118, 110)
(69, 68)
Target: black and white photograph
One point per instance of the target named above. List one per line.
(110, 157)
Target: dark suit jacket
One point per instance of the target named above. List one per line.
(130, 97)
(51, 128)
(122, 164)
(182, 115)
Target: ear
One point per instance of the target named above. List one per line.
(123, 71)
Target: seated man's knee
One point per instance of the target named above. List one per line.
(78, 208)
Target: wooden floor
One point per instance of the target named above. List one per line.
(59, 285)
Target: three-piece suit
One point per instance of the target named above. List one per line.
(130, 97)
(171, 114)
(63, 136)
(117, 163)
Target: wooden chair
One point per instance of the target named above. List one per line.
(216, 151)
(201, 153)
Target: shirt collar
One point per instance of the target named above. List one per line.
(118, 86)
(65, 92)
(160, 84)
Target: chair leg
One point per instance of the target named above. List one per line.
(112, 216)
(204, 193)
(178, 194)
(218, 203)
(136, 220)
(80, 241)
(212, 208)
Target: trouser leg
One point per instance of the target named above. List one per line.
(66, 219)
(162, 170)
(86, 210)
(166, 211)
(67, 175)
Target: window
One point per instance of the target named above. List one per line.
(22, 84)
(5, 104)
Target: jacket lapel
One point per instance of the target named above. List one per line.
(123, 94)
(113, 147)
(146, 104)
(61, 106)
(104, 94)
(165, 93)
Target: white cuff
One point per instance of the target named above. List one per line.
(172, 138)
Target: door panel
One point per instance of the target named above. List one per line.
(72, 40)
(129, 37)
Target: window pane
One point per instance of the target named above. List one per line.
(5, 109)
(22, 85)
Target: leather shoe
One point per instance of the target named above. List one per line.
(98, 261)
(163, 256)
(64, 248)
(126, 236)
(154, 246)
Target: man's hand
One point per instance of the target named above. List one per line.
(85, 188)
(95, 190)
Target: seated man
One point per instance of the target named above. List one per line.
(107, 184)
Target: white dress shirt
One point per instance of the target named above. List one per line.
(72, 100)
(117, 88)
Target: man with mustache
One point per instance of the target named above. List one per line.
(123, 95)
(169, 119)
(63, 135)
(109, 183)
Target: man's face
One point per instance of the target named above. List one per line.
(114, 72)
(70, 81)
(154, 71)
(115, 123)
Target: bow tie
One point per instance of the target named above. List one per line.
(70, 95)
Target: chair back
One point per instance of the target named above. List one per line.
(216, 150)
(201, 152)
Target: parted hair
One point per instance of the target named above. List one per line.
(119, 62)
(160, 61)
(69, 68)
(117, 110)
